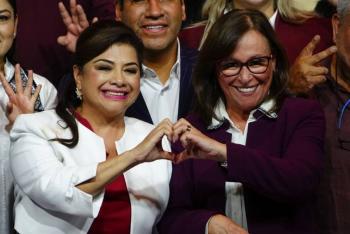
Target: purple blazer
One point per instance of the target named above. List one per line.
(279, 168)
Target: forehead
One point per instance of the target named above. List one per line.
(119, 52)
(252, 42)
(5, 5)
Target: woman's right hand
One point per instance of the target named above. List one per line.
(220, 224)
(150, 148)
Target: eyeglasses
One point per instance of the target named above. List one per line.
(257, 65)
(343, 138)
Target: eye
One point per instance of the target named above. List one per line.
(103, 68)
(231, 65)
(132, 70)
(4, 18)
(258, 62)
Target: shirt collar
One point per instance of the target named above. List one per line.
(266, 108)
(9, 70)
(272, 19)
(175, 70)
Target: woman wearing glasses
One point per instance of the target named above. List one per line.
(261, 150)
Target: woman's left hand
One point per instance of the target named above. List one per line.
(22, 101)
(196, 144)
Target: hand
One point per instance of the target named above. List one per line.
(75, 24)
(22, 101)
(150, 148)
(306, 72)
(220, 224)
(196, 144)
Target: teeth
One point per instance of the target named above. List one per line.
(154, 27)
(111, 93)
(247, 89)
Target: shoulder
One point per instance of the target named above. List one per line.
(46, 84)
(133, 124)
(301, 108)
(188, 55)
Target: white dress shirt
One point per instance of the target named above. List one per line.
(162, 100)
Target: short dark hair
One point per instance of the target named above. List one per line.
(92, 42)
(221, 41)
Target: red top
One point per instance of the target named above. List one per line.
(115, 213)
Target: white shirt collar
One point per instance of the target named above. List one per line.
(273, 19)
(9, 70)
(150, 73)
(220, 110)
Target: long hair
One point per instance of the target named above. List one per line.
(11, 52)
(95, 40)
(220, 43)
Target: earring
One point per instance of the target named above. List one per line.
(78, 93)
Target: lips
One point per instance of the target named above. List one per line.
(115, 94)
(247, 90)
(154, 28)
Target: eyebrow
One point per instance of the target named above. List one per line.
(5, 10)
(111, 62)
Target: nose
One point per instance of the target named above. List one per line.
(154, 9)
(118, 79)
(245, 75)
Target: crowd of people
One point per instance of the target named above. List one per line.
(237, 124)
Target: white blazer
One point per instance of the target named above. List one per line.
(46, 173)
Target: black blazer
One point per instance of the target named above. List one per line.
(188, 58)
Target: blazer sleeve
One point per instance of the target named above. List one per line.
(181, 215)
(48, 92)
(41, 174)
(292, 176)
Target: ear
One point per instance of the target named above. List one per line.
(336, 25)
(118, 11)
(77, 76)
(183, 9)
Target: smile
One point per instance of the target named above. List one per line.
(115, 95)
(247, 90)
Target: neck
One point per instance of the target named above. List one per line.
(239, 117)
(340, 72)
(161, 61)
(107, 127)
(267, 8)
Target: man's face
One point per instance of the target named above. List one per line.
(341, 37)
(156, 22)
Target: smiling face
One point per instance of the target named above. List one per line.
(110, 82)
(156, 22)
(246, 91)
(8, 25)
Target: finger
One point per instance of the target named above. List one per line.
(81, 17)
(8, 90)
(316, 71)
(9, 108)
(36, 94)
(181, 157)
(180, 122)
(167, 155)
(28, 88)
(316, 58)
(73, 11)
(62, 40)
(66, 18)
(19, 85)
(310, 47)
(179, 130)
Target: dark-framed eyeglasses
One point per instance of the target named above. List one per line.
(343, 137)
(256, 65)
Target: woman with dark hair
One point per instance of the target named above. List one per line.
(80, 169)
(260, 150)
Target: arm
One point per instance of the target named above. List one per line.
(290, 176)
(44, 171)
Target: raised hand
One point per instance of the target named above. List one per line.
(22, 101)
(75, 22)
(150, 148)
(196, 144)
(220, 224)
(306, 72)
